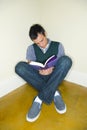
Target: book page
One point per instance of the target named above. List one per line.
(52, 58)
(36, 64)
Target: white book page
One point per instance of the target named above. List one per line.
(36, 64)
(49, 59)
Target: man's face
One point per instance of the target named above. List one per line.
(41, 40)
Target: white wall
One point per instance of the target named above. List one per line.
(15, 18)
(64, 20)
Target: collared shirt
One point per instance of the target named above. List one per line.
(46, 48)
(30, 54)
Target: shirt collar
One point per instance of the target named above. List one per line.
(46, 48)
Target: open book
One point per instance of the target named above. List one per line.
(51, 61)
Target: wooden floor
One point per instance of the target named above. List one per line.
(14, 106)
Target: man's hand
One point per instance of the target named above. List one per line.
(46, 71)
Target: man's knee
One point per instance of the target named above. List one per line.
(65, 61)
(19, 67)
(68, 60)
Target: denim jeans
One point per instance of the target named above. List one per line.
(48, 84)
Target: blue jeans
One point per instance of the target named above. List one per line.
(48, 84)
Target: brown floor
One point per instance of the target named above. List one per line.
(14, 106)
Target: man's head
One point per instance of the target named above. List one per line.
(37, 35)
(35, 30)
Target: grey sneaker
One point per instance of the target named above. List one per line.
(59, 104)
(34, 112)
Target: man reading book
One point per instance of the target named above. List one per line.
(47, 80)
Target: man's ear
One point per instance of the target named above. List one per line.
(45, 34)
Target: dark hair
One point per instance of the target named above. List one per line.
(34, 30)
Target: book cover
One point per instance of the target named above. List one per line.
(50, 62)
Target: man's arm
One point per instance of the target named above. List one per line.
(61, 51)
(30, 54)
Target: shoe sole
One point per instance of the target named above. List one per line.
(34, 119)
(61, 112)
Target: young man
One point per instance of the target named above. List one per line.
(46, 81)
